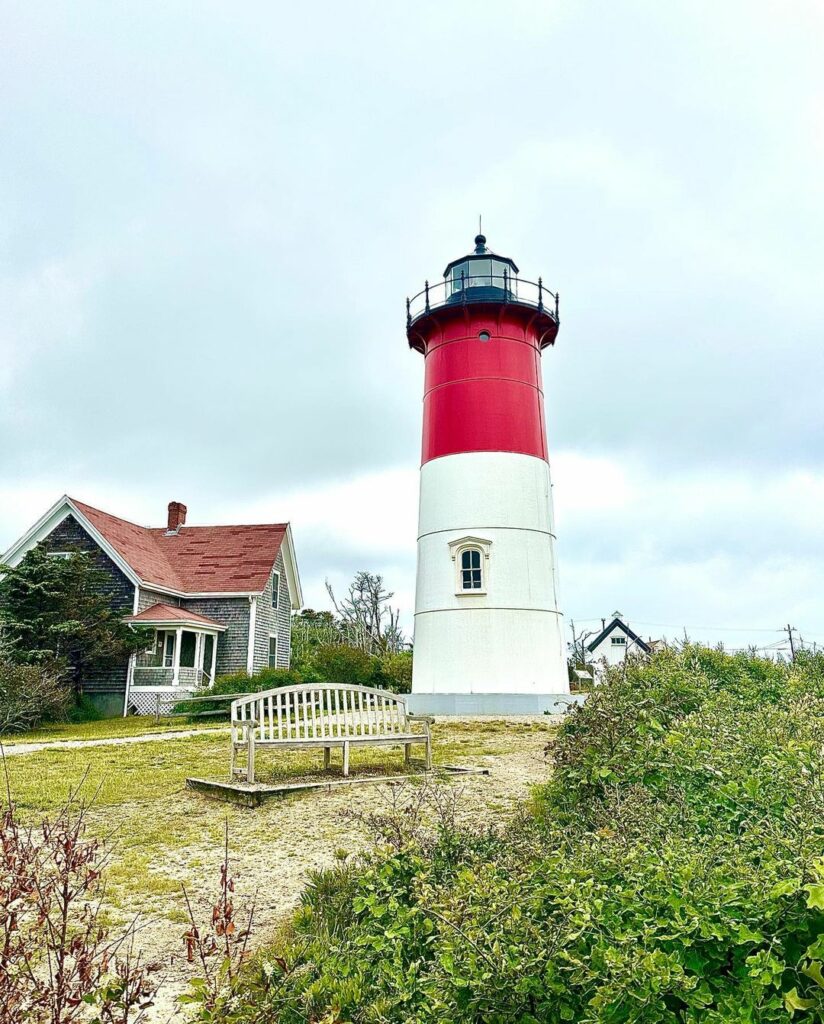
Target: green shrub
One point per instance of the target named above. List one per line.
(336, 663)
(30, 695)
(239, 682)
(82, 709)
(396, 671)
(671, 872)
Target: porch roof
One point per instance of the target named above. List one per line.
(170, 615)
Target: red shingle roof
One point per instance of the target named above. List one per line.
(198, 559)
(171, 613)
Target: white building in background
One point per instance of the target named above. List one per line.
(615, 642)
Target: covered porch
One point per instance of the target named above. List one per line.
(180, 662)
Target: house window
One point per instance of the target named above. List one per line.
(618, 641)
(188, 649)
(275, 589)
(273, 652)
(471, 569)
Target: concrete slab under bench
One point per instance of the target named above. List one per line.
(253, 795)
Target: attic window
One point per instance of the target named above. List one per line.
(275, 588)
(618, 641)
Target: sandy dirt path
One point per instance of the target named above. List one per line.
(13, 749)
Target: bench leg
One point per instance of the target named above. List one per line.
(250, 756)
(345, 760)
(407, 753)
(327, 757)
(232, 762)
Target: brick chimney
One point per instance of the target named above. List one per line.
(177, 516)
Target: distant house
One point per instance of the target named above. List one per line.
(615, 641)
(218, 598)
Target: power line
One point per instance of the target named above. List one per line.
(680, 625)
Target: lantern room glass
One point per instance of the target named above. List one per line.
(483, 273)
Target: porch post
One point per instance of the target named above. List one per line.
(198, 655)
(214, 659)
(178, 642)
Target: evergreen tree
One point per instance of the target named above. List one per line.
(57, 612)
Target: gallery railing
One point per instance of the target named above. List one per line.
(463, 289)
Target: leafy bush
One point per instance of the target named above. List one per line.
(396, 670)
(671, 872)
(240, 682)
(83, 709)
(30, 695)
(336, 663)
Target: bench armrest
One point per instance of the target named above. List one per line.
(429, 719)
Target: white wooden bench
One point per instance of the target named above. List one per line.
(323, 715)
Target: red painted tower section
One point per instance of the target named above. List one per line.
(483, 389)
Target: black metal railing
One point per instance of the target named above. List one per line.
(462, 289)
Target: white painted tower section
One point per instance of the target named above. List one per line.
(506, 638)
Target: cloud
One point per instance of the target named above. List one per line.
(208, 231)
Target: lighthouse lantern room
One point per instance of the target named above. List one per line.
(488, 629)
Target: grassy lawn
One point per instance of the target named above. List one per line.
(108, 728)
(164, 835)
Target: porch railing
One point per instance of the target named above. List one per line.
(161, 675)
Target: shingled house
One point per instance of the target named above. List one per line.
(218, 598)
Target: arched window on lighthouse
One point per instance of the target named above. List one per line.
(471, 558)
(471, 570)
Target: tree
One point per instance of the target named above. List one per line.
(579, 646)
(57, 612)
(367, 620)
(311, 630)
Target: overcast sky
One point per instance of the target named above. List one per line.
(211, 214)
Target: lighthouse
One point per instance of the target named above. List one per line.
(488, 628)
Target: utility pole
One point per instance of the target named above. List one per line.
(789, 629)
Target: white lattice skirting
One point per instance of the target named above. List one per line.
(156, 701)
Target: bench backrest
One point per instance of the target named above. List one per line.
(321, 711)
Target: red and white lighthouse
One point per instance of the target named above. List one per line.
(488, 630)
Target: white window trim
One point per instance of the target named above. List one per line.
(456, 549)
(273, 636)
(618, 641)
(60, 554)
(275, 589)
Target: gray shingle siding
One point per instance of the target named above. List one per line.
(232, 612)
(271, 620)
(148, 598)
(69, 535)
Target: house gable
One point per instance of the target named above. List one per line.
(623, 628)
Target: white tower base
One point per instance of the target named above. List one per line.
(499, 650)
